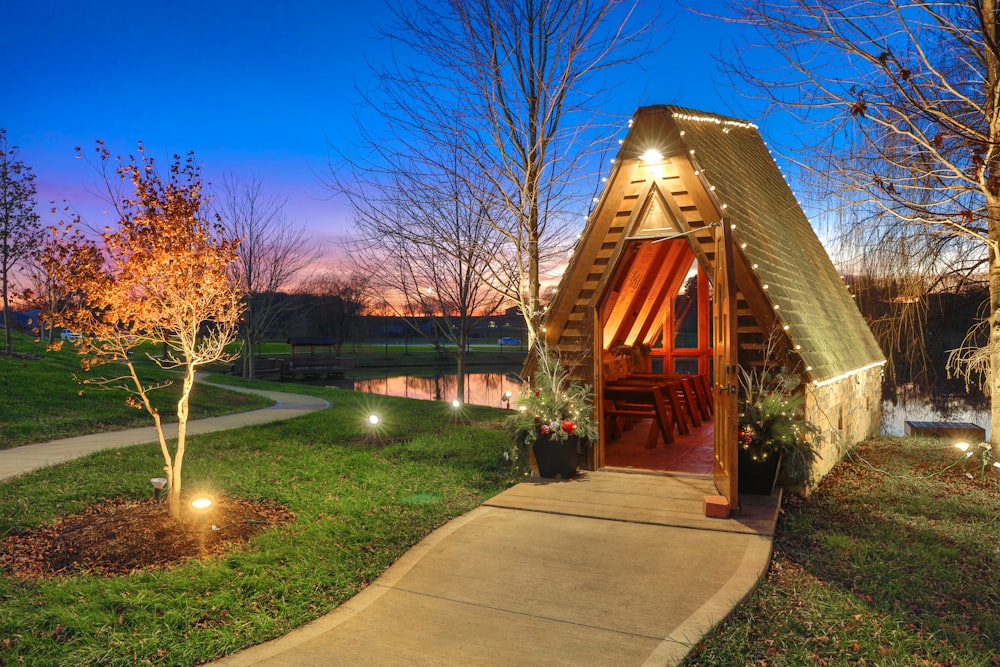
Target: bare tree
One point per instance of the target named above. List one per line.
(333, 304)
(272, 252)
(42, 293)
(901, 102)
(426, 248)
(20, 232)
(515, 85)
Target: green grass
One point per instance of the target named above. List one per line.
(891, 562)
(40, 399)
(415, 356)
(354, 516)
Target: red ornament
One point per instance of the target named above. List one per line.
(538, 393)
(568, 426)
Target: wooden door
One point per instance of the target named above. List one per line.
(725, 385)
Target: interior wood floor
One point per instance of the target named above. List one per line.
(692, 453)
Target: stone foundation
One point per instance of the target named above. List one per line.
(846, 411)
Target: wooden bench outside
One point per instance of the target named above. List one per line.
(954, 430)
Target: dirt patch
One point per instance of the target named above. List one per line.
(121, 537)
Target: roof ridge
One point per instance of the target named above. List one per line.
(688, 113)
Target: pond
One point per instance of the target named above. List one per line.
(489, 388)
(480, 388)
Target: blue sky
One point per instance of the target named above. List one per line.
(256, 89)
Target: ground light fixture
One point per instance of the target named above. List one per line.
(506, 398)
(159, 483)
(201, 503)
(373, 421)
(456, 404)
(965, 447)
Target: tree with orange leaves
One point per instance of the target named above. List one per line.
(160, 275)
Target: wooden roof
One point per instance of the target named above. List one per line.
(713, 169)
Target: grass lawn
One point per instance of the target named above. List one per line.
(359, 505)
(40, 400)
(371, 360)
(890, 562)
(893, 561)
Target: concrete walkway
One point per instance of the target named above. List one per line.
(18, 460)
(609, 568)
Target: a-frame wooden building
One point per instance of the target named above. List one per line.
(697, 258)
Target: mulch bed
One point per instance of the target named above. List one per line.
(121, 537)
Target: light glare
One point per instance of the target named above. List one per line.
(201, 503)
(652, 155)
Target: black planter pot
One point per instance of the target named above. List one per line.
(758, 477)
(556, 459)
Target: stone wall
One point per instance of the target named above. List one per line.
(846, 411)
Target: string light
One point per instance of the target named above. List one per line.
(717, 121)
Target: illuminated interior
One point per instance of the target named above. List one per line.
(656, 319)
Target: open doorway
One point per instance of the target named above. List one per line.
(656, 357)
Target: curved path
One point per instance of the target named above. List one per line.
(18, 460)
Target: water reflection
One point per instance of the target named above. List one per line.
(489, 388)
(480, 388)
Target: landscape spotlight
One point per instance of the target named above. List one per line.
(373, 419)
(963, 446)
(506, 398)
(201, 503)
(456, 404)
(158, 484)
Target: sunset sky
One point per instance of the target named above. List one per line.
(255, 89)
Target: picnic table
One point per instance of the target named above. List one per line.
(673, 401)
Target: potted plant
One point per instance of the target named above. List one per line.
(775, 439)
(555, 417)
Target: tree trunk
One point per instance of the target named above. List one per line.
(174, 497)
(991, 171)
(993, 381)
(8, 344)
(249, 361)
(460, 365)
